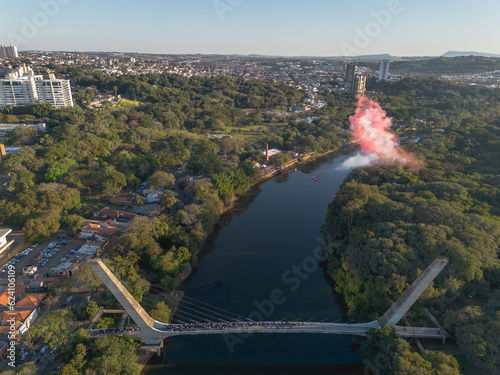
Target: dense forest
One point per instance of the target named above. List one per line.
(386, 225)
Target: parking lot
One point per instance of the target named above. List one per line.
(44, 257)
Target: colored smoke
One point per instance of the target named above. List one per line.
(370, 127)
(359, 160)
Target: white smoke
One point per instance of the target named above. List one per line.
(357, 161)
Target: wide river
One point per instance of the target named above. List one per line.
(272, 230)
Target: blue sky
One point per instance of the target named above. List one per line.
(273, 27)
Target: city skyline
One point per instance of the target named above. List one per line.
(291, 28)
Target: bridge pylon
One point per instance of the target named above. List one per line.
(410, 296)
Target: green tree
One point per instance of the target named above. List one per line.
(161, 179)
(69, 369)
(55, 328)
(91, 309)
(161, 312)
(82, 336)
(168, 199)
(85, 278)
(113, 355)
(41, 228)
(104, 322)
(225, 187)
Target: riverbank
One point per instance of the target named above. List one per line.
(182, 279)
(294, 163)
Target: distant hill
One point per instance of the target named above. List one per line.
(442, 65)
(469, 53)
(366, 57)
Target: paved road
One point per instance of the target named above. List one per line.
(17, 246)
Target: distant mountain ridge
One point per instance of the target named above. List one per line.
(468, 53)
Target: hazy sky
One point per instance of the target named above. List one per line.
(273, 27)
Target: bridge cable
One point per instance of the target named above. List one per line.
(219, 308)
(182, 316)
(207, 304)
(202, 313)
(177, 312)
(152, 301)
(215, 307)
(218, 314)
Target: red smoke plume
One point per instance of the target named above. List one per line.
(370, 126)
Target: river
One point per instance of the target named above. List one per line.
(272, 230)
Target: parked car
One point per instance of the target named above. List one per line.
(69, 299)
(44, 349)
(23, 356)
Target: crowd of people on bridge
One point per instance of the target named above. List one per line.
(230, 325)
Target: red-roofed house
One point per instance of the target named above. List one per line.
(100, 230)
(108, 213)
(23, 320)
(30, 301)
(6, 297)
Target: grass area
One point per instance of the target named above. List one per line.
(91, 205)
(252, 131)
(125, 103)
(96, 202)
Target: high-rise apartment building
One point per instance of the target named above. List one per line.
(384, 70)
(20, 86)
(358, 85)
(8, 52)
(350, 72)
(355, 83)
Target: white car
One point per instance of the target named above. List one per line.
(44, 349)
(68, 300)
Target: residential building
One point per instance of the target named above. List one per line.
(98, 229)
(18, 91)
(30, 301)
(11, 127)
(54, 91)
(384, 70)
(7, 294)
(4, 244)
(358, 85)
(24, 311)
(8, 52)
(20, 86)
(350, 72)
(23, 320)
(108, 213)
(355, 83)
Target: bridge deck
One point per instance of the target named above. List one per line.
(153, 332)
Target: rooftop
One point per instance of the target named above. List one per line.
(4, 232)
(30, 300)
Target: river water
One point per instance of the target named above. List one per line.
(252, 257)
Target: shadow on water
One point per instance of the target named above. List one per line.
(240, 206)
